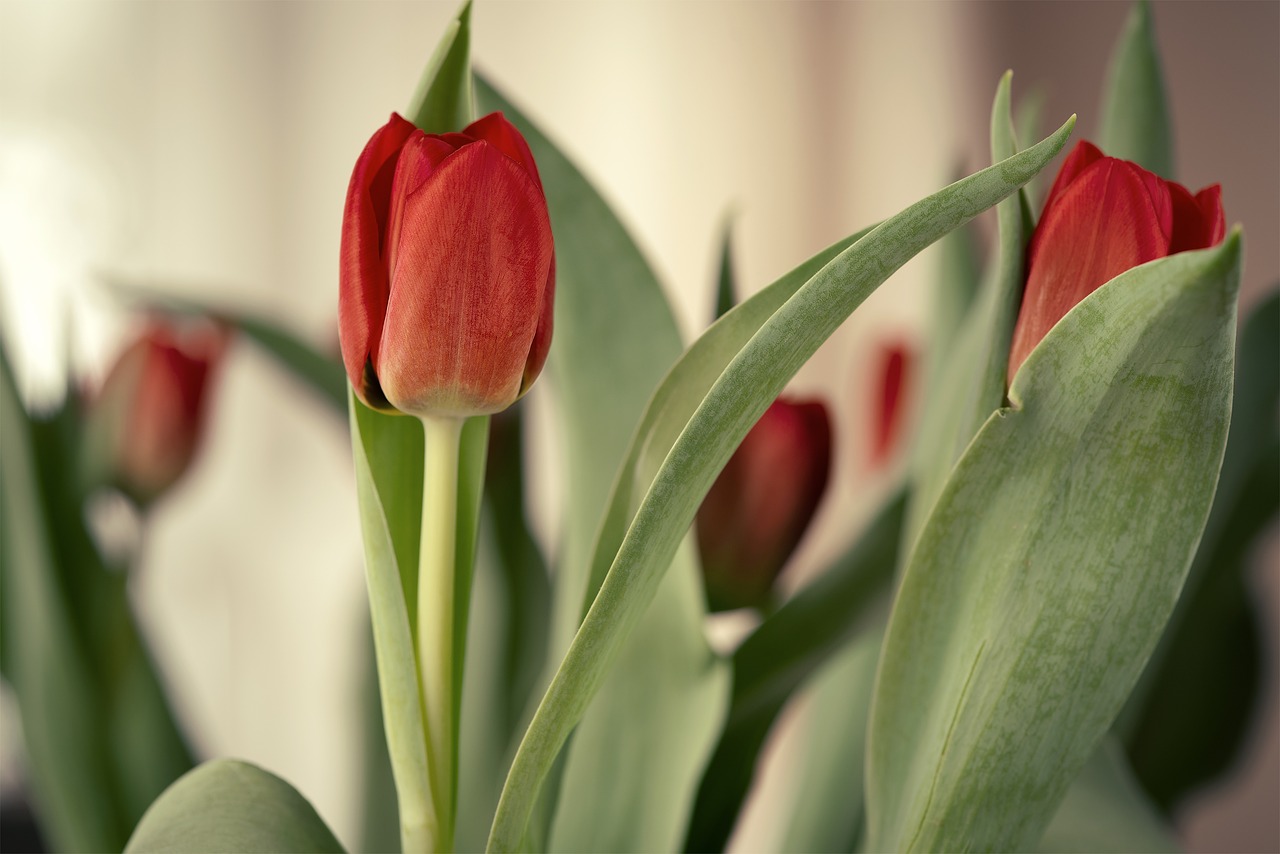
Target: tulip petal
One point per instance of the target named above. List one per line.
(496, 130)
(541, 345)
(468, 286)
(362, 280)
(1084, 155)
(1110, 218)
(1198, 221)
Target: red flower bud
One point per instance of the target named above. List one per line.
(1104, 216)
(148, 418)
(894, 372)
(760, 505)
(447, 276)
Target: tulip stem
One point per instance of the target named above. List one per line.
(436, 572)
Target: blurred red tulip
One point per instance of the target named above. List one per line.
(447, 277)
(759, 507)
(1104, 216)
(148, 418)
(894, 369)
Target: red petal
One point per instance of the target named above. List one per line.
(894, 369)
(494, 128)
(1084, 155)
(1198, 221)
(362, 277)
(469, 286)
(758, 509)
(542, 337)
(1110, 219)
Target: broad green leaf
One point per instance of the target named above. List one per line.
(1135, 113)
(828, 812)
(779, 656)
(1106, 811)
(227, 805)
(62, 713)
(1188, 717)
(602, 282)
(1051, 561)
(444, 101)
(700, 446)
(972, 379)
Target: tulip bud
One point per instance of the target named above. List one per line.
(447, 273)
(146, 422)
(759, 507)
(894, 372)
(1102, 217)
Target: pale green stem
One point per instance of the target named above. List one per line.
(436, 562)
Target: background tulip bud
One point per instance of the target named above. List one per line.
(447, 277)
(894, 365)
(146, 423)
(1102, 217)
(759, 507)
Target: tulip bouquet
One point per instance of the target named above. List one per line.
(999, 661)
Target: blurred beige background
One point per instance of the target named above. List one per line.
(208, 146)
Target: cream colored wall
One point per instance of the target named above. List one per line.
(207, 146)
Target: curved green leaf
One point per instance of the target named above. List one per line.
(699, 449)
(227, 805)
(1135, 113)
(972, 380)
(674, 684)
(1051, 561)
(443, 101)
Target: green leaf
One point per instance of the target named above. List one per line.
(1052, 560)
(779, 656)
(1135, 113)
(726, 289)
(700, 445)
(57, 698)
(227, 805)
(972, 379)
(1188, 718)
(602, 282)
(828, 814)
(1106, 811)
(444, 101)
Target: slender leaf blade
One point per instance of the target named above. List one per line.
(1052, 560)
(1135, 112)
(604, 283)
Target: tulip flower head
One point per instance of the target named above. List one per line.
(1102, 217)
(447, 274)
(761, 504)
(148, 418)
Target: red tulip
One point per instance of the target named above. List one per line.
(762, 502)
(1104, 216)
(894, 371)
(447, 276)
(149, 416)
